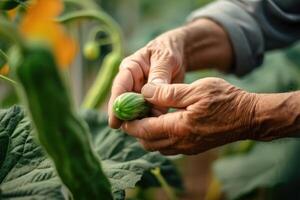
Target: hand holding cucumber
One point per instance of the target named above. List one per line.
(161, 61)
(210, 112)
(197, 45)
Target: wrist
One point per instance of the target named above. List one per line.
(246, 111)
(277, 116)
(207, 45)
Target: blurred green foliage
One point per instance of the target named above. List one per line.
(269, 171)
(249, 170)
(142, 20)
(279, 73)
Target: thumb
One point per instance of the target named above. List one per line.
(169, 95)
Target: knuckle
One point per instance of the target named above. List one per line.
(163, 54)
(214, 79)
(174, 94)
(194, 119)
(152, 45)
(210, 83)
(167, 56)
(167, 92)
(124, 63)
(183, 126)
(172, 58)
(129, 63)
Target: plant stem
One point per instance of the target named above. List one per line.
(3, 55)
(103, 41)
(93, 33)
(102, 17)
(168, 190)
(85, 3)
(8, 80)
(214, 190)
(98, 91)
(8, 31)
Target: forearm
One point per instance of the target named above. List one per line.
(254, 27)
(207, 45)
(277, 116)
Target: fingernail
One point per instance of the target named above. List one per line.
(148, 90)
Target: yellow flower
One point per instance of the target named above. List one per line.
(39, 24)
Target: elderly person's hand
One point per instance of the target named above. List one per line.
(201, 44)
(161, 61)
(211, 112)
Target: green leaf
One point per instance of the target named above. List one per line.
(124, 160)
(25, 171)
(273, 167)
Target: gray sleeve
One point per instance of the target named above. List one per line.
(254, 26)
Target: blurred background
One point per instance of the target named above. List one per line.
(243, 170)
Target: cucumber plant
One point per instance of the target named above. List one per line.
(61, 132)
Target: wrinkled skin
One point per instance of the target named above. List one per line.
(161, 61)
(211, 112)
(166, 58)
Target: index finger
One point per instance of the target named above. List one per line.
(131, 78)
(123, 83)
(156, 128)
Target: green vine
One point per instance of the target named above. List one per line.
(3, 56)
(8, 80)
(10, 32)
(169, 191)
(97, 94)
(111, 26)
(85, 4)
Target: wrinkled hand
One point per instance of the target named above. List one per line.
(196, 45)
(161, 61)
(211, 112)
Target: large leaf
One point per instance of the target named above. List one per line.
(28, 174)
(273, 167)
(25, 172)
(124, 160)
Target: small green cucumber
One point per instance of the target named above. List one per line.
(130, 106)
